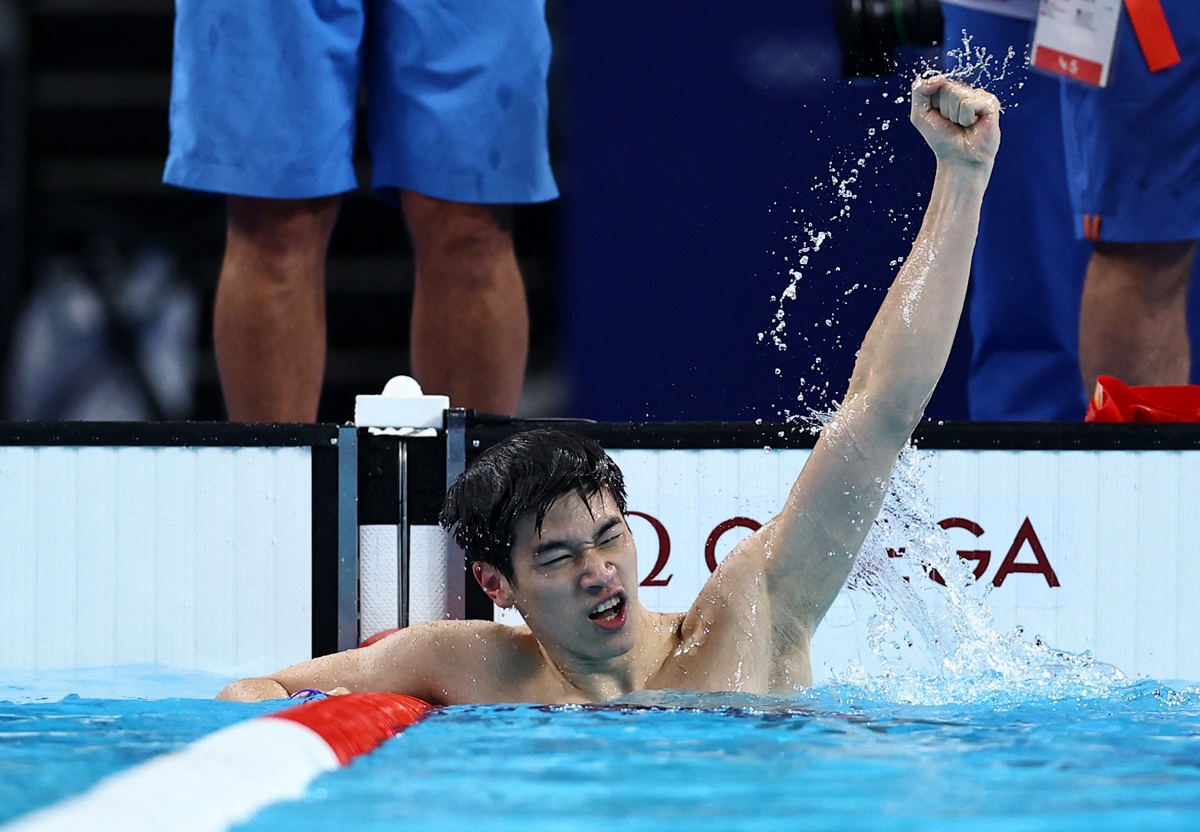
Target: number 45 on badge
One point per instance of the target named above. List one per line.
(1076, 38)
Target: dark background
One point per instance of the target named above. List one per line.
(693, 142)
(687, 139)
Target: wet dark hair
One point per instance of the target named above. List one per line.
(525, 472)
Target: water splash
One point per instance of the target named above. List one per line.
(842, 187)
(814, 228)
(934, 644)
(929, 644)
(974, 65)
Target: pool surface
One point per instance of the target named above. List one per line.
(831, 758)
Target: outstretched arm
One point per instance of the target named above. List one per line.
(807, 551)
(429, 661)
(364, 669)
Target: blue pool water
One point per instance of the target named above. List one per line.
(832, 758)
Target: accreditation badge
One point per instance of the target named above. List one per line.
(1076, 38)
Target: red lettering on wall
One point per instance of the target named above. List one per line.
(710, 545)
(1042, 567)
(982, 557)
(664, 550)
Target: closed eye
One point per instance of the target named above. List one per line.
(552, 551)
(609, 533)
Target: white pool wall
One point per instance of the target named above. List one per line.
(194, 557)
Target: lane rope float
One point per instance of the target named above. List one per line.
(231, 774)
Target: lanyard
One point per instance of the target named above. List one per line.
(1153, 34)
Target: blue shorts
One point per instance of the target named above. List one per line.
(1133, 158)
(264, 96)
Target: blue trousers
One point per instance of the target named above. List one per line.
(1028, 270)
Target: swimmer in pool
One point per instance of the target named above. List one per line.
(542, 514)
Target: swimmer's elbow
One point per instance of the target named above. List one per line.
(882, 410)
(253, 690)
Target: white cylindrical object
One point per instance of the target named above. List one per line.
(230, 775)
(218, 781)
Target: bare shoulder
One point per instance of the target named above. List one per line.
(738, 587)
(448, 662)
(449, 631)
(453, 640)
(732, 638)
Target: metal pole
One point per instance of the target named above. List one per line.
(403, 553)
(456, 559)
(347, 544)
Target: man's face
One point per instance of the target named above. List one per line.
(576, 582)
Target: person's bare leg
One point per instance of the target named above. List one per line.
(470, 322)
(269, 320)
(1133, 320)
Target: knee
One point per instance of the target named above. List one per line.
(281, 236)
(460, 242)
(1158, 270)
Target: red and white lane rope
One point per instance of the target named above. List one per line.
(230, 775)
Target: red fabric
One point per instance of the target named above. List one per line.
(1153, 33)
(357, 722)
(1115, 401)
(382, 634)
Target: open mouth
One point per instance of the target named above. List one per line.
(610, 614)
